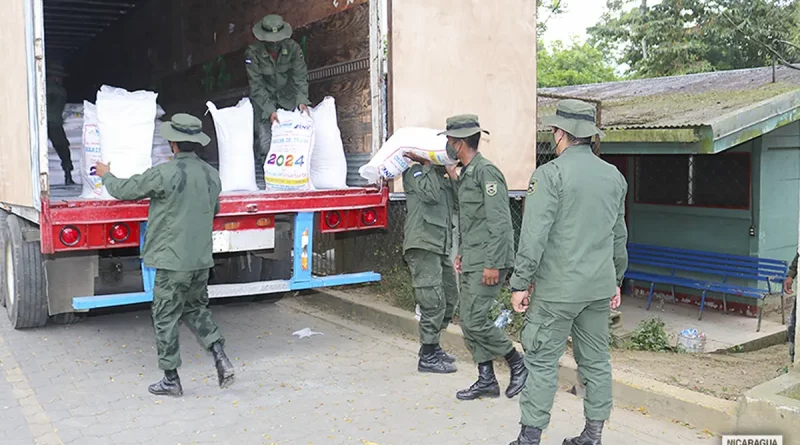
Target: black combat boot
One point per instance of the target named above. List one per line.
(447, 358)
(170, 385)
(486, 386)
(519, 373)
(431, 361)
(224, 366)
(528, 435)
(590, 435)
(68, 178)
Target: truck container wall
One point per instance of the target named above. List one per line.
(21, 104)
(467, 56)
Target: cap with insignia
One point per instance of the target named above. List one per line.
(184, 128)
(462, 126)
(272, 28)
(576, 117)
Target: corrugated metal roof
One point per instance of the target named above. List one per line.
(681, 101)
(71, 24)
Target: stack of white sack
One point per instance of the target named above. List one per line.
(389, 162)
(125, 122)
(328, 162)
(73, 127)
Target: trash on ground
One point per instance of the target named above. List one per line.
(307, 332)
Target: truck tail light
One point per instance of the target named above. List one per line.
(232, 225)
(119, 233)
(70, 236)
(369, 217)
(333, 219)
(264, 222)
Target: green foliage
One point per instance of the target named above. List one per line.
(396, 286)
(577, 64)
(690, 36)
(514, 328)
(650, 336)
(545, 10)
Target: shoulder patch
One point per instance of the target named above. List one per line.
(418, 173)
(532, 186)
(491, 188)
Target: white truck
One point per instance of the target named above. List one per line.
(445, 57)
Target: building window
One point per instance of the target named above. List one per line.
(721, 181)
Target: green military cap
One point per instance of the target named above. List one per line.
(576, 117)
(184, 128)
(462, 126)
(56, 69)
(272, 28)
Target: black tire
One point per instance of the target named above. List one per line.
(3, 241)
(68, 318)
(26, 296)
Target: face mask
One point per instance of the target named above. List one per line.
(452, 153)
(272, 46)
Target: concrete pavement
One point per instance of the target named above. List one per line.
(87, 384)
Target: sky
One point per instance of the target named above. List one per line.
(578, 15)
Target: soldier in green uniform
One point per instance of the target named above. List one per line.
(572, 253)
(278, 78)
(430, 203)
(184, 197)
(486, 253)
(787, 289)
(56, 100)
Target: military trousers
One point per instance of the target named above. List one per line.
(262, 139)
(483, 339)
(181, 296)
(57, 135)
(435, 290)
(544, 338)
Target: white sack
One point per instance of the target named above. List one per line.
(234, 126)
(92, 184)
(126, 121)
(389, 162)
(162, 152)
(288, 164)
(328, 163)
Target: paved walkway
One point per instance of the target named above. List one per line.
(87, 384)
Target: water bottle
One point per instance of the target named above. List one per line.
(503, 319)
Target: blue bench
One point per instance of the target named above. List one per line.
(664, 265)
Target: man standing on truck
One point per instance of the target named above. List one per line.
(430, 202)
(486, 253)
(56, 101)
(278, 78)
(572, 251)
(184, 197)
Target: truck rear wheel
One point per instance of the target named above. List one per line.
(26, 288)
(3, 241)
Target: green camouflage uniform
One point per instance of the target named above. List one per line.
(430, 203)
(56, 101)
(572, 248)
(184, 197)
(487, 242)
(275, 84)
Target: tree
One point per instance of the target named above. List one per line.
(577, 64)
(545, 9)
(690, 36)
